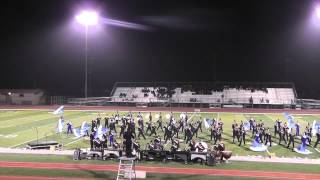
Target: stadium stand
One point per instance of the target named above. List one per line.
(206, 93)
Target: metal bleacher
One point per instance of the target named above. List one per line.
(270, 93)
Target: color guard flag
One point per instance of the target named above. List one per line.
(315, 127)
(246, 126)
(100, 131)
(76, 132)
(60, 125)
(82, 131)
(207, 123)
(290, 120)
(84, 128)
(59, 110)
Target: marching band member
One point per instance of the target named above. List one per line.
(150, 117)
(192, 146)
(116, 145)
(242, 136)
(254, 128)
(235, 131)
(221, 146)
(200, 147)
(251, 123)
(188, 134)
(318, 139)
(276, 128)
(153, 129)
(199, 125)
(104, 141)
(122, 129)
(268, 137)
(157, 140)
(218, 135)
(111, 138)
(91, 140)
(297, 129)
(282, 136)
(149, 125)
(150, 146)
(159, 121)
(69, 129)
(140, 122)
(286, 131)
(106, 122)
(175, 145)
(291, 140)
(112, 125)
(136, 145)
(140, 133)
(98, 120)
(213, 131)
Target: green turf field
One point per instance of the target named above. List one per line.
(17, 128)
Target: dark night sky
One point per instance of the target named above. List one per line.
(267, 41)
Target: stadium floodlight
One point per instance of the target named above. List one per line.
(317, 12)
(87, 18)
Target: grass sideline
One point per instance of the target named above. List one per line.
(18, 127)
(107, 175)
(237, 165)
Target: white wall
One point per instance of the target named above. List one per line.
(22, 98)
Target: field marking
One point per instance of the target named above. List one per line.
(19, 115)
(19, 132)
(24, 122)
(190, 118)
(48, 134)
(268, 116)
(78, 139)
(28, 118)
(8, 135)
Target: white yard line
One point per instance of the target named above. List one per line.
(49, 134)
(269, 117)
(24, 122)
(191, 117)
(78, 139)
(26, 142)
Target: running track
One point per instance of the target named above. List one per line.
(160, 170)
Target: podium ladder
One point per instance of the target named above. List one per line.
(126, 168)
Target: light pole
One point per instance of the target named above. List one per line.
(87, 18)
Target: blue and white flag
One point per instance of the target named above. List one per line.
(84, 128)
(246, 126)
(82, 131)
(60, 125)
(100, 131)
(207, 123)
(76, 132)
(59, 110)
(315, 127)
(290, 120)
